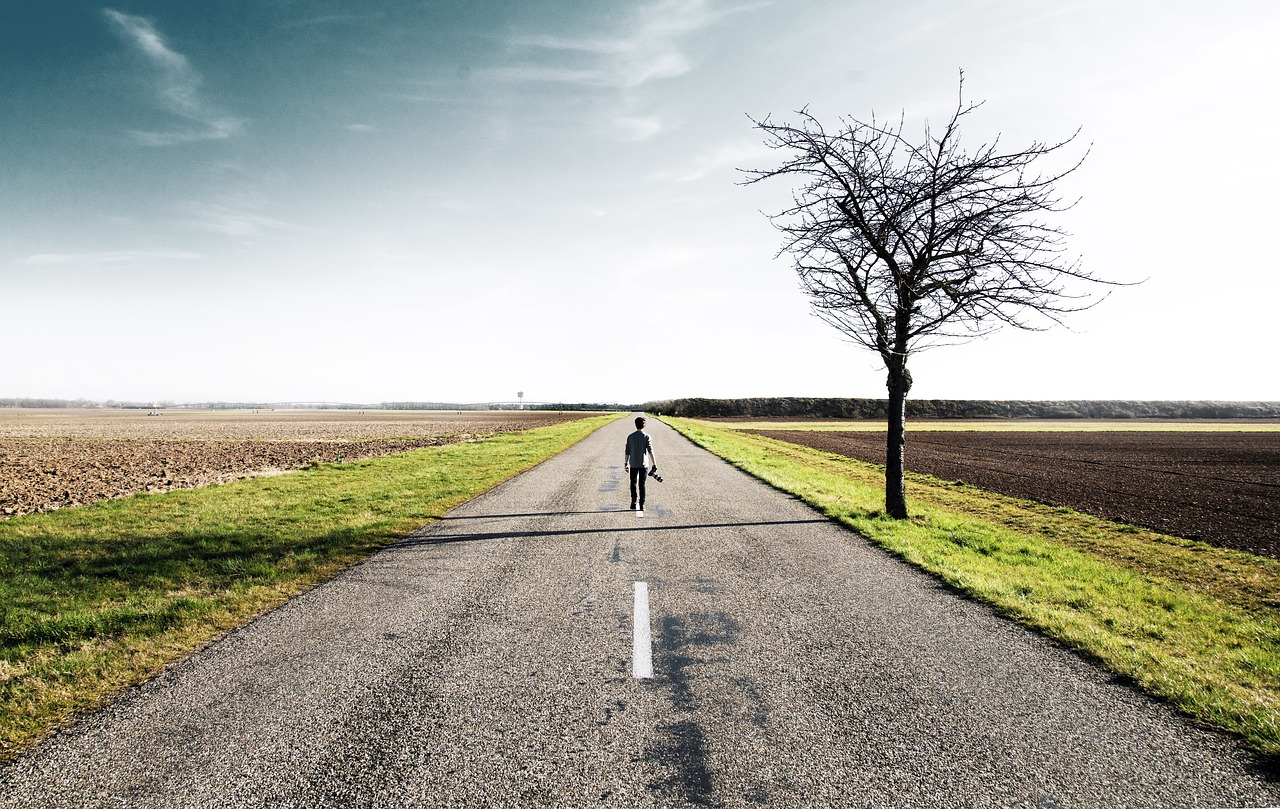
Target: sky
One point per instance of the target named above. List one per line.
(314, 200)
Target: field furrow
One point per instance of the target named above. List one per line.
(1219, 487)
(54, 459)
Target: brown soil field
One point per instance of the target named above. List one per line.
(1220, 487)
(51, 459)
(267, 425)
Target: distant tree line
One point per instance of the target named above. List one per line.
(427, 406)
(21, 402)
(823, 408)
(590, 406)
(111, 403)
(587, 406)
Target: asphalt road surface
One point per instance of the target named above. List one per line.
(491, 659)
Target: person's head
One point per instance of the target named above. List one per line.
(639, 422)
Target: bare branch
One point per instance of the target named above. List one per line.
(903, 245)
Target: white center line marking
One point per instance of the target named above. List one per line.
(641, 645)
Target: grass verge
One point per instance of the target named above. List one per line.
(98, 598)
(1193, 624)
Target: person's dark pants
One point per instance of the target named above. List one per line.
(637, 475)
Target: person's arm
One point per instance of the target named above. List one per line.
(626, 457)
(653, 459)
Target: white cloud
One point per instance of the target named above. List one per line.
(649, 52)
(744, 153)
(241, 218)
(673, 18)
(334, 19)
(177, 87)
(455, 204)
(361, 128)
(638, 128)
(567, 44)
(112, 257)
(647, 67)
(548, 73)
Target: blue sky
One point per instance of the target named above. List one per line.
(306, 200)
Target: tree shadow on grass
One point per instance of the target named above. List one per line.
(75, 587)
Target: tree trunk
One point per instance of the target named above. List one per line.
(895, 484)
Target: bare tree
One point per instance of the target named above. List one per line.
(904, 245)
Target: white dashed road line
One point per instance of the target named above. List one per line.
(641, 644)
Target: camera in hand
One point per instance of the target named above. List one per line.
(653, 473)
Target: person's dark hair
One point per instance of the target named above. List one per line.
(639, 422)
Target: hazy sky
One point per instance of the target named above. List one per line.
(408, 199)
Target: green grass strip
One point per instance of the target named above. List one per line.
(98, 598)
(1193, 624)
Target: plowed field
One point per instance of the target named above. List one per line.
(1223, 488)
(51, 459)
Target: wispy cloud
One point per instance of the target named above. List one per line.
(568, 44)
(334, 19)
(177, 86)
(549, 73)
(638, 128)
(361, 128)
(109, 258)
(650, 51)
(241, 218)
(743, 153)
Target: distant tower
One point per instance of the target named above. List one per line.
(520, 396)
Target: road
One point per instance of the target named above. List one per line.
(489, 660)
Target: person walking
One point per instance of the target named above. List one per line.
(638, 446)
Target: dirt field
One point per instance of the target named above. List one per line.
(266, 425)
(51, 459)
(1223, 488)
